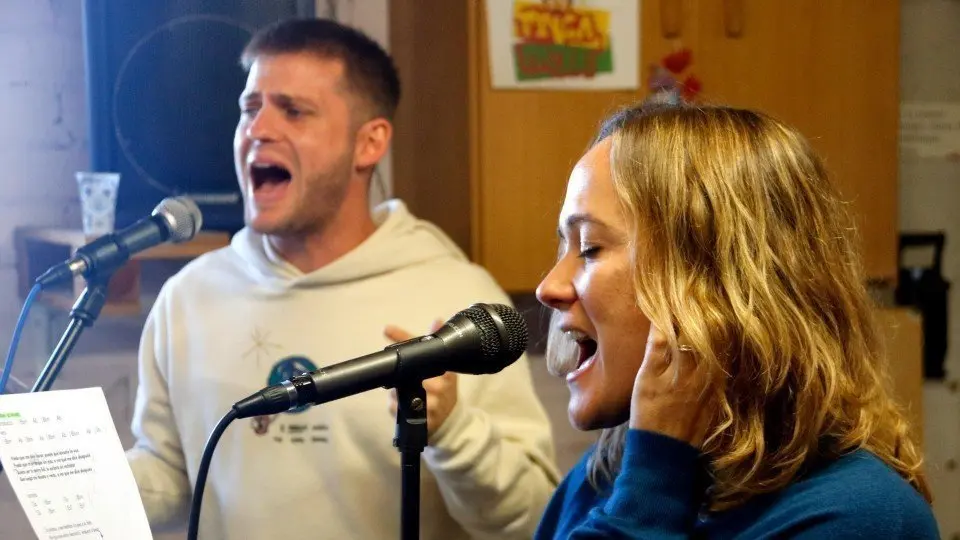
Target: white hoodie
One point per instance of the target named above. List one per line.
(240, 318)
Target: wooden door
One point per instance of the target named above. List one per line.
(832, 70)
(527, 141)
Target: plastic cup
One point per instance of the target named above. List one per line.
(98, 201)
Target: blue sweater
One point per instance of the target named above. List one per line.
(658, 493)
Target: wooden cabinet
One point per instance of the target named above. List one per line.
(490, 166)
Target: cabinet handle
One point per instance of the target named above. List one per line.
(733, 17)
(670, 18)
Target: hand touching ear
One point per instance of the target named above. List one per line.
(670, 392)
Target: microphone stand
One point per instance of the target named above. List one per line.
(410, 440)
(83, 314)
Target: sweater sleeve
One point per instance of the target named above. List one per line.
(493, 457)
(656, 495)
(157, 458)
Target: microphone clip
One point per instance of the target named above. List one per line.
(411, 431)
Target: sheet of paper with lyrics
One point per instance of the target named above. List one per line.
(62, 456)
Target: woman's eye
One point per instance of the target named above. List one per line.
(589, 252)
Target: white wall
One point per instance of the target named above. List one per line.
(43, 127)
(930, 200)
(43, 141)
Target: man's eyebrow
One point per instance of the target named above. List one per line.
(287, 99)
(249, 96)
(281, 99)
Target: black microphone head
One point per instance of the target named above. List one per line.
(503, 335)
(182, 217)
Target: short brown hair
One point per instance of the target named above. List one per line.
(368, 69)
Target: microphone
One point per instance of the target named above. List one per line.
(482, 339)
(175, 219)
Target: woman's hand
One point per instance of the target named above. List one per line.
(670, 392)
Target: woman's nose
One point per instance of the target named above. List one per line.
(556, 291)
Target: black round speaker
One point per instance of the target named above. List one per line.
(163, 80)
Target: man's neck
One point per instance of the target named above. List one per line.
(314, 250)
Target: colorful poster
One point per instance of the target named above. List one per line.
(564, 44)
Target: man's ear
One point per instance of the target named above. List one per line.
(373, 141)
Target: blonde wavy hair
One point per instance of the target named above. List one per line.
(742, 244)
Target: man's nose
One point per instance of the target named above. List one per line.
(263, 126)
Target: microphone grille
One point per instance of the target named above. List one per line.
(489, 337)
(517, 334)
(182, 216)
(504, 341)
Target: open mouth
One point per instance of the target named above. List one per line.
(581, 360)
(587, 350)
(268, 175)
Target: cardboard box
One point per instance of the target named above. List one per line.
(902, 332)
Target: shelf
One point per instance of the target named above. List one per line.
(39, 248)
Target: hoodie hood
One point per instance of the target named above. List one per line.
(400, 241)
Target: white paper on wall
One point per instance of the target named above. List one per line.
(930, 130)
